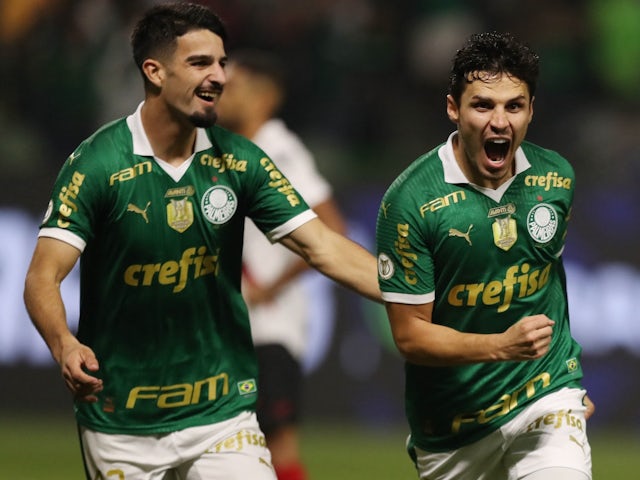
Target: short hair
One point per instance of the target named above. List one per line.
(493, 53)
(157, 31)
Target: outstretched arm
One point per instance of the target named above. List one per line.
(51, 263)
(336, 256)
(330, 215)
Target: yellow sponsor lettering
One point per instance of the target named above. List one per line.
(506, 403)
(280, 182)
(408, 258)
(518, 281)
(194, 263)
(556, 420)
(68, 194)
(176, 396)
(548, 181)
(130, 173)
(239, 441)
(441, 202)
(226, 162)
(180, 394)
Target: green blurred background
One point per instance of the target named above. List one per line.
(367, 81)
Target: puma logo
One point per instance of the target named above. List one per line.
(384, 207)
(575, 440)
(135, 209)
(457, 233)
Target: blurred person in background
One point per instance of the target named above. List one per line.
(469, 241)
(273, 285)
(162, 370)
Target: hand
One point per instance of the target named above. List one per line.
(76, 360)
(590, 407)
(528, 339)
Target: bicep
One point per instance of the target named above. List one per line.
(52, 259)
(407, 321)
(305, 239)
(329, 213)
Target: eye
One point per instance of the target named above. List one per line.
(482, 105)
(515, 106)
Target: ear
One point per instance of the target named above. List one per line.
(452, 109)
(531, 109)
(154, 71)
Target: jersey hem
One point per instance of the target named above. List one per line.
(290, 225)
(407, 298)
(63, 235)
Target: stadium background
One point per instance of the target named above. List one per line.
(367, 85)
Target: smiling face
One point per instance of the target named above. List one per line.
(192, 77)
(492, 117)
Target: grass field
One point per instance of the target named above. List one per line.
(36, 448)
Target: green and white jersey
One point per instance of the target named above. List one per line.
(486, 258)
(160, 299)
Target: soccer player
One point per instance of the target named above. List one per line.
(162, 369)
(279, 301)
(469, 242)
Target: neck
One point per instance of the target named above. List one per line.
(171, 140)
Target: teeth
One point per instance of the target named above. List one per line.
(499, 141)
(207, 95)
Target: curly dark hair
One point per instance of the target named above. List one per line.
(157, 31)
(493, 53)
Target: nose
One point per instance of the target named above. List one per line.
(499, 121)
(217, 74)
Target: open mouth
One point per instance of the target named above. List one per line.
(207, 96)
(497, 149)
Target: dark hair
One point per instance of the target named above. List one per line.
(493, 53)
(157, 31)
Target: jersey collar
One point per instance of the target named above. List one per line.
(141, 145)
(453, 173)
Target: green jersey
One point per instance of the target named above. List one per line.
(160, 299)
(485, 258)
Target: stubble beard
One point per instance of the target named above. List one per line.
(204, 120)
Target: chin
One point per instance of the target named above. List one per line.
(204, 120)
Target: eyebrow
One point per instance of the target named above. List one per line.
(491, 99)
(201, 57)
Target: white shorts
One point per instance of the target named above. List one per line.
(231, 450)
(550, 433)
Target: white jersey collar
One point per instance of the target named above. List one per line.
(141, 144)
(453, 173)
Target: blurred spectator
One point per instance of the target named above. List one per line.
(279, 301)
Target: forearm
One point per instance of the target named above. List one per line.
(349, 264)
(336, 257)
(436, 345)
(424, 342)
(46, 310)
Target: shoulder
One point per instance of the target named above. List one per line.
(105, 148)
(424, 173)
(547, 160)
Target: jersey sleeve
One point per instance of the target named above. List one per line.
(274, 205)
(297, 163)
(75, 198)
(405, 262)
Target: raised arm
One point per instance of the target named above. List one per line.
(51, 263)
(336, 256)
